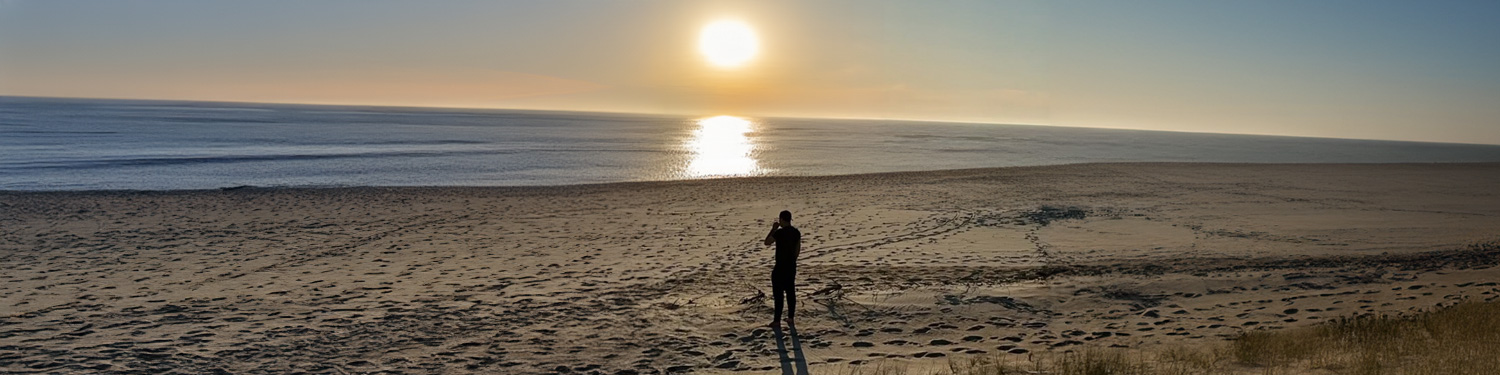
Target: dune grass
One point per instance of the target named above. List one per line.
(1458, 339)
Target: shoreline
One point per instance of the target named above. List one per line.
(744, 178)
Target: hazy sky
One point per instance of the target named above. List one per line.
(1409, 70)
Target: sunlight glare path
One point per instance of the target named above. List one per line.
(721, 149)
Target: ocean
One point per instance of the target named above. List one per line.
(98, 144)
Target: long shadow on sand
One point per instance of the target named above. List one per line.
(796, 363)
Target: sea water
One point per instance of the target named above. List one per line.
(89, 144)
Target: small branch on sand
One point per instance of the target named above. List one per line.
(758, 298)
(835, 287)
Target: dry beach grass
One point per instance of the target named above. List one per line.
(1463, 338)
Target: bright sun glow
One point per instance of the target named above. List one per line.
(728, 43)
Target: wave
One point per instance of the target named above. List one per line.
(203, 120)
(56, 131)
(230, 159)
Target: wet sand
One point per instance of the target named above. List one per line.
(671, 276)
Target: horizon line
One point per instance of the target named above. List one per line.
(637, 113)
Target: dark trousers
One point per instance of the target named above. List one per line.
(782, 281)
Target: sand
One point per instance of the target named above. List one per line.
(671, 276)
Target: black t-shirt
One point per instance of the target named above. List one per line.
(788, 241)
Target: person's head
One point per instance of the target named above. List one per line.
(786, 218)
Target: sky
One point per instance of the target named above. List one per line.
(1371, 69)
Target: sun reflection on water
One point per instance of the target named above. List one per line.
(720, 148)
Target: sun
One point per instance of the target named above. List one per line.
(728, 43)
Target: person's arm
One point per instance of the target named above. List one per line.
(771, 237)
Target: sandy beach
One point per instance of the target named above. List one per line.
(669, 277)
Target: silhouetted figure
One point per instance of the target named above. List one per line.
(788, 241)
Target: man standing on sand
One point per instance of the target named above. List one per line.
(788, 242)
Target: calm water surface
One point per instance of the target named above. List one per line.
(77, 144)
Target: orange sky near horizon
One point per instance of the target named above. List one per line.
(1226, 68)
